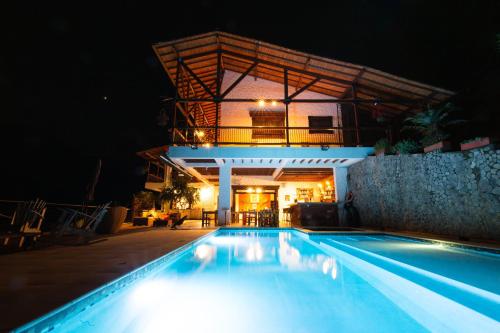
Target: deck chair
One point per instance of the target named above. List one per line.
(25, 222)
(74, 223)
(177, 223)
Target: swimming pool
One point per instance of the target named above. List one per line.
(284, 280)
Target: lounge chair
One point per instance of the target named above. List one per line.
(177, 223)
(73, 223)
(25, 222)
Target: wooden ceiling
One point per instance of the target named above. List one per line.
(252, 171)
(212, 171)
(327, 76)
(304, 174)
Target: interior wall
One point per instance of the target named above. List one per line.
(237, 114)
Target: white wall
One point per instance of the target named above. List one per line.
(237, 114)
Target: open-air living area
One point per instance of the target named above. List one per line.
(341, 179)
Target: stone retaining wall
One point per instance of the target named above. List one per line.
(455, 193)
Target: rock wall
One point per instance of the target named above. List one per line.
(455, 193)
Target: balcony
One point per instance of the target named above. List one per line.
(275, 135)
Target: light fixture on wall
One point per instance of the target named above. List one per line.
(258, 190)
(274, 103)
(261, 103)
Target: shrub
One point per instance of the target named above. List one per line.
(406, 147)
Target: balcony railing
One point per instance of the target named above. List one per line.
(271, 135)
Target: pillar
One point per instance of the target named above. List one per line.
(224, 202)
(340, 175)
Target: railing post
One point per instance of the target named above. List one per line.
(355, 108)
(216, 139)
(285, 83)
(217, 96)
(176, 97)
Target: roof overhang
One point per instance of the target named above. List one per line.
(201, 53)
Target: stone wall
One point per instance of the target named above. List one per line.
(455, 193)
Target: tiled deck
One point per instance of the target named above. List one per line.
(35, 282)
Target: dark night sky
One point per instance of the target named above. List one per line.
(59, 61)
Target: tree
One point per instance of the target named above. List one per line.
(432, 123)
(179, 194)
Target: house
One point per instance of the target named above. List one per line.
(261, 126)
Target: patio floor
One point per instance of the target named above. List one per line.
(33, 283)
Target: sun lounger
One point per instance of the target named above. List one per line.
(25, 222)
(80, 225)
(177, 223)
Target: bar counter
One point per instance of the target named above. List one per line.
(314, 214)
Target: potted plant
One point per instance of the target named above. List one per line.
(432, 124)
(405, 147)
(142, 201)
(179, 194)
(113, 220)
(382, 147)
(476, 142)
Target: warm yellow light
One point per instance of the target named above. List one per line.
(207, 145)
(261, 103)
(206, 194)
(200, 134)
(327, 183)
(258, 190)
(273, 103)
(250, 190)
(152, 213)
(320, 185)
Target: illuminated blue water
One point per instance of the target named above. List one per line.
(288, 281)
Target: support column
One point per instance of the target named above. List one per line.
(340, 175)
(224, 202)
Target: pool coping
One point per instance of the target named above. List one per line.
(49, 321)
(480, 248)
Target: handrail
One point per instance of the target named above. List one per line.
(281, 127)
(279, 135)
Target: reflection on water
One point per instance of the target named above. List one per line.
(267, 249)
(291, 258)
(205, 252)
(255, 252)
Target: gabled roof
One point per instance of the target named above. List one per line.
(327, 76)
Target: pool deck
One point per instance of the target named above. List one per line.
(33, 283)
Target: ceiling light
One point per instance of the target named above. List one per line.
(261, 103)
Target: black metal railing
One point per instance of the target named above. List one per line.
(273, 135)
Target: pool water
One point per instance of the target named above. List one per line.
(289, 281)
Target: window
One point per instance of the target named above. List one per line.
(316, 123)
(156, 172)
(268, 119)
